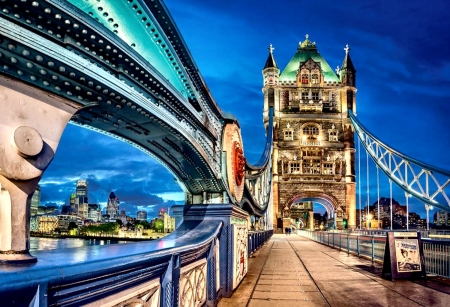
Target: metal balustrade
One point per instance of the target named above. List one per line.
(436, 252)
(256, 239)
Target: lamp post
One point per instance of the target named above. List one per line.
(428, 208)
(369, 217)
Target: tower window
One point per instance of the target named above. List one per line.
(294, 168)
(311, 166)
(311, 132)
(315, 79)
(305, 95)
(288, 135)
(328, 168)
(315, 95)
(305, 79)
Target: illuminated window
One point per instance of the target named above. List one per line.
(305, 95)
(328, 168)
(288, 135)
(305, 79)
(294, 168)
(311, 132)
(310, 152)
(333, 136)
(315, 79)
(311, 166)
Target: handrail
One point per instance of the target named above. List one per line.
(87, 274)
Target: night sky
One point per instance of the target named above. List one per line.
(400, 50)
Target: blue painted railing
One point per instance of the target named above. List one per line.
(256, 239)
(436, 252)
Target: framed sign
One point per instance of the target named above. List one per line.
(403, 256)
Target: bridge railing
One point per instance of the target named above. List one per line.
(436, 252)
(182, 269)
(256, 239)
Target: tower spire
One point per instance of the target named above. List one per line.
(348, 71)
(270, 63)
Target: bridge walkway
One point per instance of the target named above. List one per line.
(294, 271)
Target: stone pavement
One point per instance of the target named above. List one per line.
(294, 271)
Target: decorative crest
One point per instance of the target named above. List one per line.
(307, 44)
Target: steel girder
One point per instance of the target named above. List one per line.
(427, 183)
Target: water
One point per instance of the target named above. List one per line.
(50, 243)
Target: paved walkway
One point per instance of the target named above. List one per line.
(294, 271)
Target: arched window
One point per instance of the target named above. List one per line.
(311, 132)
(305, 79)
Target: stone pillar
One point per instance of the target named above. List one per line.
(311, 220)
(31, 125)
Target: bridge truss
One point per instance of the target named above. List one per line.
(429, 184)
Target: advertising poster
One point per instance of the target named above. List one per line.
(408, 255)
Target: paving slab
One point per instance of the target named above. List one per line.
(294, 271)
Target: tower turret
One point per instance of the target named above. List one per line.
(348, 71)
(271, 74)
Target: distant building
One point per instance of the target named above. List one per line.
(441, 218)
(169, 222)
(34, 207)
(64, 221)
(35, 201)
(112, 207)
(82, 188)
(141, 216)
(82, 207)
(94, 212)
(47, 223)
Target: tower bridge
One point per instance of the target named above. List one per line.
(124, 70)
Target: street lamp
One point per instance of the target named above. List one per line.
(428, 208)
(369, 217)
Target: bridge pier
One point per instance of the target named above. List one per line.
(31, 124)
(232, 264)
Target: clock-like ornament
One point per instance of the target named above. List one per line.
(235, 160)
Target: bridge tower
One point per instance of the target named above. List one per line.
(313, 158)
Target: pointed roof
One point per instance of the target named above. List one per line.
(270, 63)
(307, 50)
(347, 64)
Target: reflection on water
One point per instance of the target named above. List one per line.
(50, 243)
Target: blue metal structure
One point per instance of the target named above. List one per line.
(124, 70)
(425, 182)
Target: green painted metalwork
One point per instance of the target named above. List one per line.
(129, 21)
(307, 50)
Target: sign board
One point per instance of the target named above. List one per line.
(403, 256)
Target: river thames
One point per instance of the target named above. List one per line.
(51, 243)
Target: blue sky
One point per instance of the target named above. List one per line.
(400, 51)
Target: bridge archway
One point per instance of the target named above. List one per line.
(330, 203)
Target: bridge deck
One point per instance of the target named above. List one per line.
(294, 271)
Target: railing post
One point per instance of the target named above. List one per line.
(170, 283)
(348, 244)
(357, 245)
(211, 285)
(373, 248)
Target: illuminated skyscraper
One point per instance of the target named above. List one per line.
(82, 189)
(35, 201)
(112, 208)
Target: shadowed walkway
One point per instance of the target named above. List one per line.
(294, 271)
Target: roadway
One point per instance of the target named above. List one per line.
(294, 271)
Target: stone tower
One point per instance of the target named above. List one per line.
(313, 139)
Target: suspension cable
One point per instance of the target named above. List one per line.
(367, 190)
(378, 195)
(359, 180)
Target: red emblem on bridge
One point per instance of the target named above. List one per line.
(238, 163)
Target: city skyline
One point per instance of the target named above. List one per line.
(403, 72)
